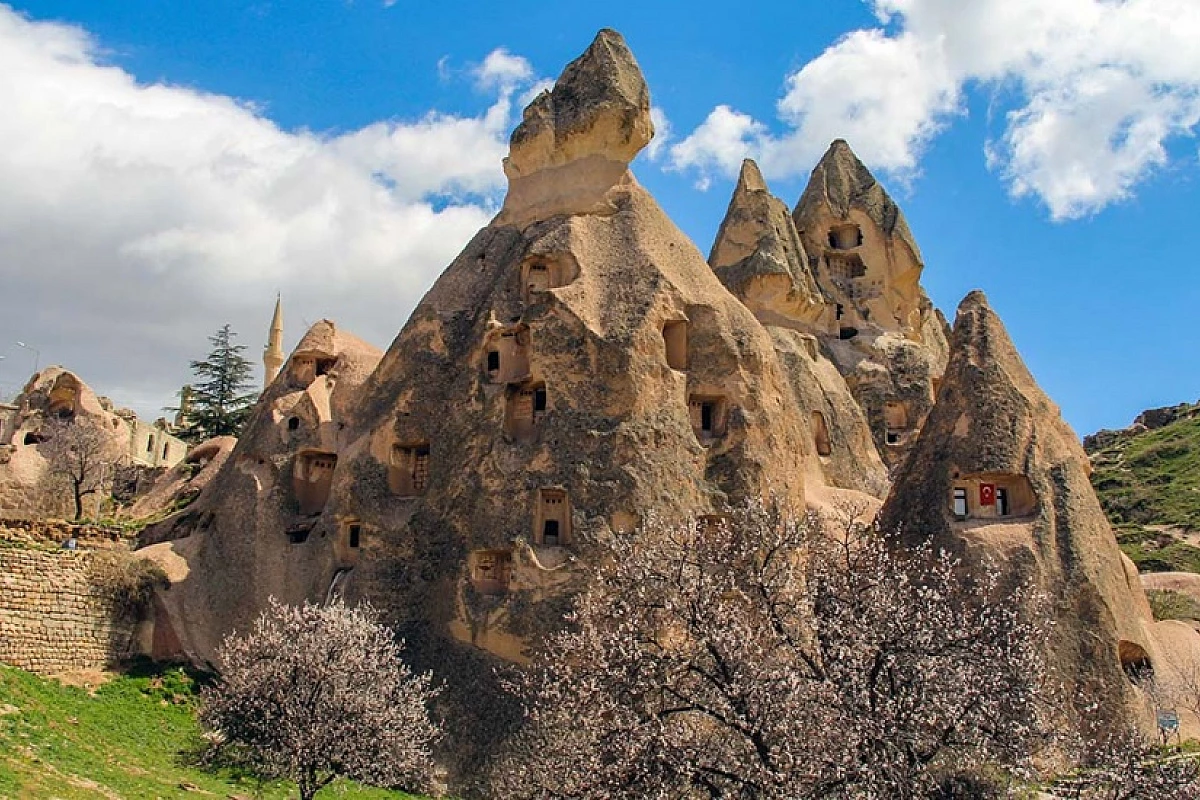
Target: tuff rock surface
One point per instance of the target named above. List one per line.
(997, 475)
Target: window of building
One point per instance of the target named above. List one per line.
(150, 444)
(707, 415)
(1003, 509)
(408, 473)
(355, 535)
(525, 407)
(166, 450)
(293, 423)
(493, 360)
(312, 480)
(960, 502)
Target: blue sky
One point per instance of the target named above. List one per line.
(170, 165)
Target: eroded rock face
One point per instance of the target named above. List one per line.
(575, 142)
(184, 481)
(257, 528)
(758, 255)
(879, 326)
(997, 474)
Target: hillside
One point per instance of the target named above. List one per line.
(1148, 479)
(124, 739)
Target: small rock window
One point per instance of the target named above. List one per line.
(408, 472)
(493, 361)
(526, 405)
(491, 571)
(675, 338)
(354, 536)
(993, 495)
(312, 480)
(707, 414)
(845, 237)
(293, 423)
(847, 332)
(508, 355)
(1135, 661)
(553, 519)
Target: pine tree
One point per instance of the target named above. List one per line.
(219, 403)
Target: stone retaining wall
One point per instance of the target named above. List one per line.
(52, 619)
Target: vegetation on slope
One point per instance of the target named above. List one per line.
(129, 738)
(1148, 480)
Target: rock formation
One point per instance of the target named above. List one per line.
(996, 474)
(256, 529)
(183, 482)
(881, 329)
(759, 257)
(580, 366)
(58, 394)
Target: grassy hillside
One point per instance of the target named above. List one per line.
(1148, 480)
(124, 739)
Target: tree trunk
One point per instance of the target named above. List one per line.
(78, 504)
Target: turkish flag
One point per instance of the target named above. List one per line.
(987, 494)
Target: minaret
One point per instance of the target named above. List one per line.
(273, 354)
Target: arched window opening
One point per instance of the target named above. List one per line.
(293, 423)
(1135, 661)
(821, 439)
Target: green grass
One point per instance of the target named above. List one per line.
(1152, 478)
(126, 739)
(1152, 551)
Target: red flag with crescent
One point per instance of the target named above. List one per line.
(987, 494)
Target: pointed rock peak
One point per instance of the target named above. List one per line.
(980, 341)
(750, 179)
(759, 256)
(841, 182)
(600, 106)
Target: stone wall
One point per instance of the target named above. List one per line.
(52, 619)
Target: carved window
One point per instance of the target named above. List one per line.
(491, 571)
(408, 473)
(707, 415)
(553, 518)
(675, 339)
(960, 502)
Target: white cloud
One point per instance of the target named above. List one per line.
(719, 144)
(502, 70)
(172, 211)
(1094, 90)
(662, 133)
